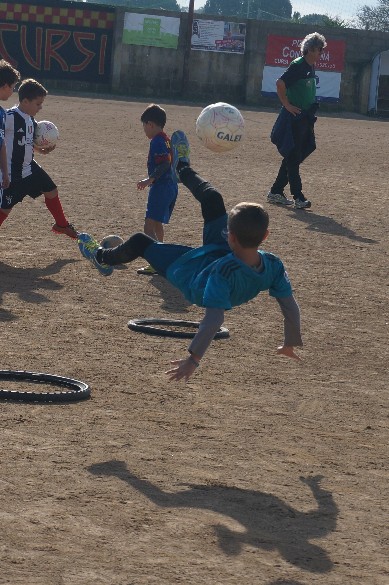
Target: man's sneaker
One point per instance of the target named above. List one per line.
(68, 230)
(148, 270)
(88, 248)
(278, 199)
(302, 203)
(180, 150)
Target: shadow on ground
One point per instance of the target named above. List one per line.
(327, 225)
(28, 283)
(269, 522)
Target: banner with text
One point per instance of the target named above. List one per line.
(281, 51)
(217, 35)
(57, 42)
(151, 31)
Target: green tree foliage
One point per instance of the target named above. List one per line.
(258, 9)
(156, 4)
(320, 19)
(376, 18)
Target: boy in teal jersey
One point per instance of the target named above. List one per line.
(226, 271)
(293, 132)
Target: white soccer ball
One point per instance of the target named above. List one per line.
(46, 134)
(111, 241)
(220, 127)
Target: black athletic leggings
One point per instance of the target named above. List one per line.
(212, 207)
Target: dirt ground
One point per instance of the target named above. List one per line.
(260, 470)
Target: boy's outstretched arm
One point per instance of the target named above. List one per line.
(209, 326)
(292, 334)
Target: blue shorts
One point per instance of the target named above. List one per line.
(161, 201)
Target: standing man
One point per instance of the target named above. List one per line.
(293, 131)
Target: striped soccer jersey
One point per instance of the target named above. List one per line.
(19, 140)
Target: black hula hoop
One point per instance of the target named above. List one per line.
(148, 326)
(77, 390)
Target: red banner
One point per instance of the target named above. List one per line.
(281, 51)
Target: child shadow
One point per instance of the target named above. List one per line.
(269, 522)
(27, 282)
(173, 300)
(327, 225)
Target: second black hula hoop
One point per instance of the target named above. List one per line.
(150, 326)
(73, 389)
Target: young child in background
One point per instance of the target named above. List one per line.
(9, 77)
(25, 175)
(161, 182)
(227, 271)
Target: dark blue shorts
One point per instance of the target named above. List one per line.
(161, 201)
(34, 185)
(161, 255)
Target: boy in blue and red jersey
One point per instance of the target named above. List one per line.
(162, 185)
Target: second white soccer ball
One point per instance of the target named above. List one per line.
(46, 134)
(220, 127)
(111, 241)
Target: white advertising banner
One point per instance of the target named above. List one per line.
(327, 84)
(218, 35)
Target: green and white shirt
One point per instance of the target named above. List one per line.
(300, 82)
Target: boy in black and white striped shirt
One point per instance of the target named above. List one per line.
(27, 177)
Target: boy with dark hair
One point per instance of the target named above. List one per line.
(26, 176)
(9, 77)
(163, 188)
(227, 271)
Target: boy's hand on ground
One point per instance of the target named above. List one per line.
(288, 351)
(183, 369)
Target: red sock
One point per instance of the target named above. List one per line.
(3, 217)
(55, 207)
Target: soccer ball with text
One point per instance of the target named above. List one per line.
(220, 127)
(46, 134)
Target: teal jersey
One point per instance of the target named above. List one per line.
(211, 276)
(300, 82)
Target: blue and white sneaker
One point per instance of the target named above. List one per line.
(88, 247)
(181, 151)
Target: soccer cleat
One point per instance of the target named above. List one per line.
(88, 247)
(302, 203)
(278, 199)
(149, 270)
(68, 230)
(181, 151)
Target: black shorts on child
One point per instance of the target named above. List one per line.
(34, 185)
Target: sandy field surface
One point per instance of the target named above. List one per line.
(258, 471)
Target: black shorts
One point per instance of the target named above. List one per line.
(34, 185)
